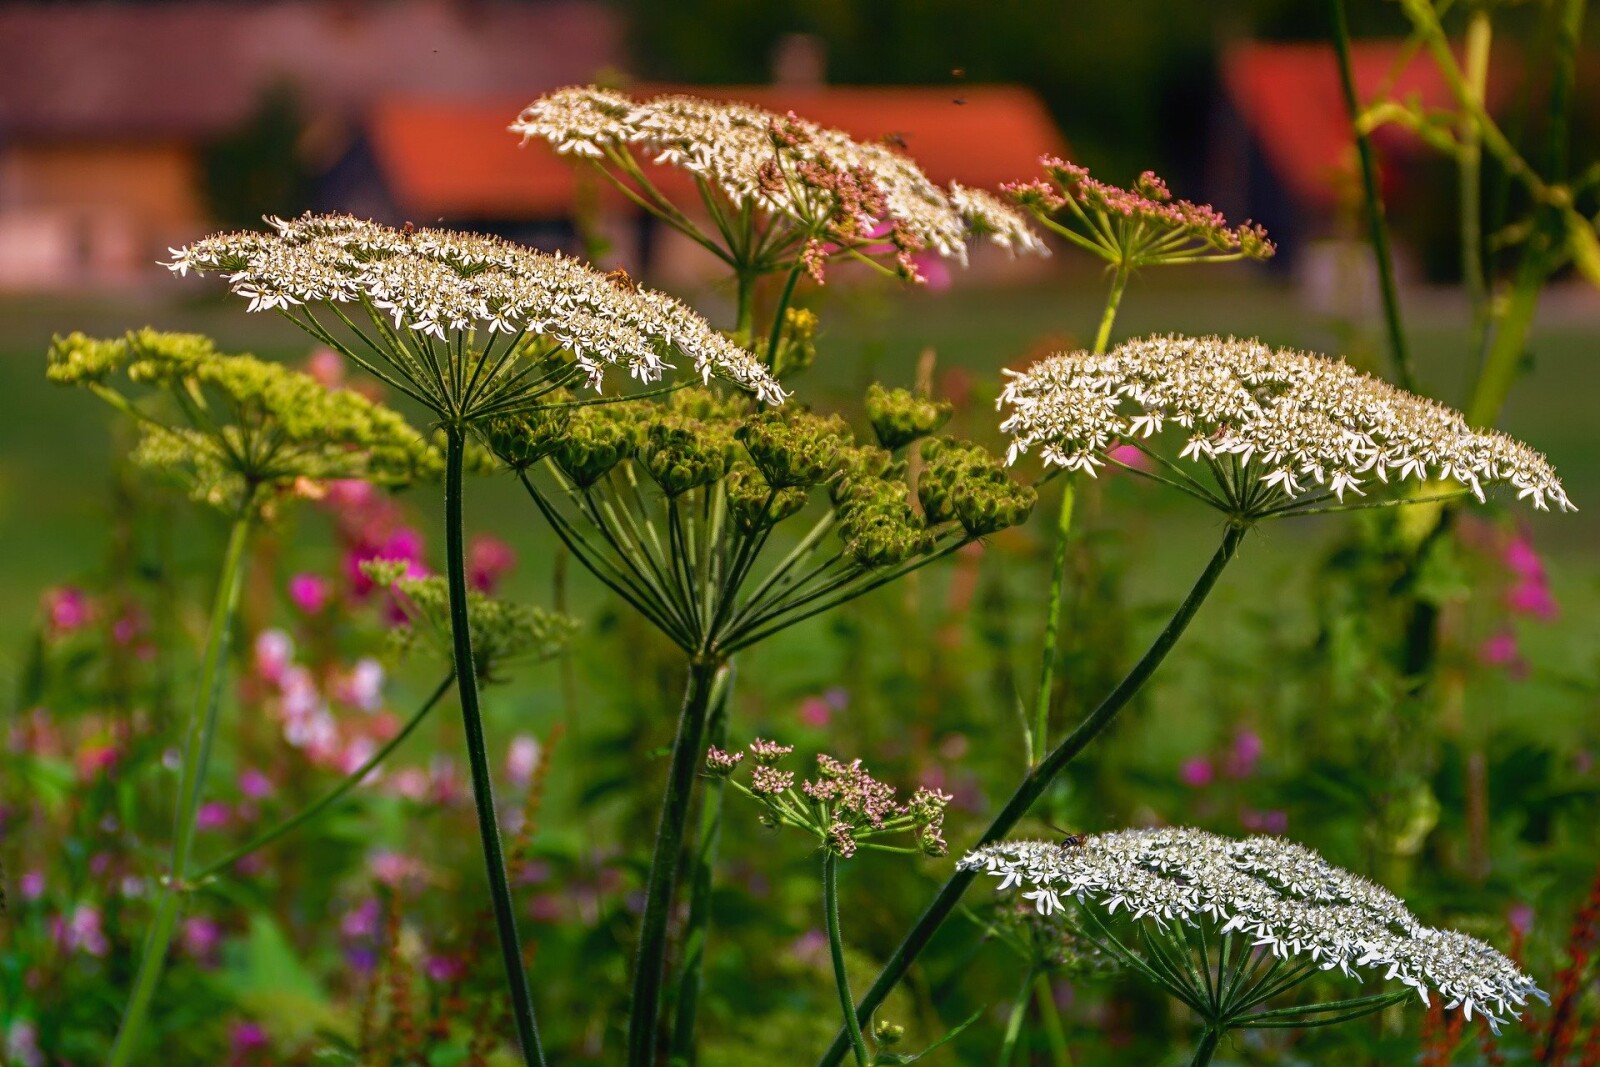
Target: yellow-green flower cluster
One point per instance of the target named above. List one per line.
(237, 429)
(502, 632)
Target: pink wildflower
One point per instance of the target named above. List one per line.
(309, 593)
(1196, 772)
(489, 559)
(522, 759)
(67, 609)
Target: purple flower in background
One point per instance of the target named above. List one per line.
(309, 593)
(245, 1039)
(442, 968)
(1242, 756)
(254, 784)
(31, 885)
(1500, 650)
(22, 1044)
(67, 609)
(815, 712)
(1264, 822)
(404, 545)
(201, 937)
(81, 931)
(274, 652)
(213, 815)
(363, 686)
(489, 559)
(522, 759)
(1520, 917)
(1196, 772)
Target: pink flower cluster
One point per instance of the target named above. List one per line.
(1525, 589)
(305, 707)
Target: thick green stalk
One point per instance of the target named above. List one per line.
(778, 313)
(1019, 1010)
(1206, 1049)
(191, 785)
(1504, 358)
(1037, 781)
(505, 914)
(329, 798)
(705, 860)
(745, 304)
(1052, 625)
(1119, 282)
(650, 961)
(1377, 227)
(1055, 1035)
(1480, 33)
(841, 979)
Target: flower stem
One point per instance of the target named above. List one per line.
(745, 299)
(332, 796)
(505, 915)
(1206, 1049)
(1052, 626)
(1034, 784)
(650, 962)
(1019, 1010)
(191, 784)
(1377, 227)
(1055, 1035)
(830, 904)
(778, 314)
(705, 860)
(1119, 282)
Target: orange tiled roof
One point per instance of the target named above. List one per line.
(456, 159)
(1290, 98)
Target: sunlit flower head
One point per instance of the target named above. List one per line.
(1282, 896)
(425, 287)
(834, 188)
(1278, 428)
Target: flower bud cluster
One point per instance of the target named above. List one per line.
(234, 424)
(1281, 896)
(962, 482)
(842, 806)
(769, 462)
(899, 416)
(1301, 422)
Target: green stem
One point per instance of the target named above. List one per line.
(1038, 780)
(191, 784)
(505, 914)
(1052, 625)
(1054, 1033)
(830, 904)
(744, 324)
(1119, 282)
(1206, 1049)
(1504, 358)
(1019, 1010)
(1377, 227)
(779, 312)
(1480, 31)
(650, 962)
(699, 922)
(333, 795)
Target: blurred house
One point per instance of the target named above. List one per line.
(1288, 156)
(106, 109)
(423, 159)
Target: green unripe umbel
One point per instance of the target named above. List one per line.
(899, 416)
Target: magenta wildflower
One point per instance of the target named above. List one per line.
(67, 608)
(1243, 755)
(309, 593)
(1196, 772)
(254, 784)
(31, 885)
(489, 559)
(522, 760)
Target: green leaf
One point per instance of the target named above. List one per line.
(266, 976)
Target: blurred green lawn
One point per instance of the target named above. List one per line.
(56, 444)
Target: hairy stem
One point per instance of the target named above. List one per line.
(1019, 1010)
(332, 796)
(650, 961)
(830, 904)
(1206, 1049)
(705, 860)
(1377, 227)
(1038, 780)
(1052, 626)
(191, 786)
(505, 915)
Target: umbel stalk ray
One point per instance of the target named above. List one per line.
(1034, 785)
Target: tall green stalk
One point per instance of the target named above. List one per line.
(841, 978)
(650, 961)
(505, 915)
(1372, 197)
(698, 927)
(1037, 781)
(332, 796)
(1038, 743)
(191, 786)
(1019, 1011)
(1206, 1049)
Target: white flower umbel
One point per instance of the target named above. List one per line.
(1280, 431)
(779, 165)
(467, 324)
(1280, 905)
